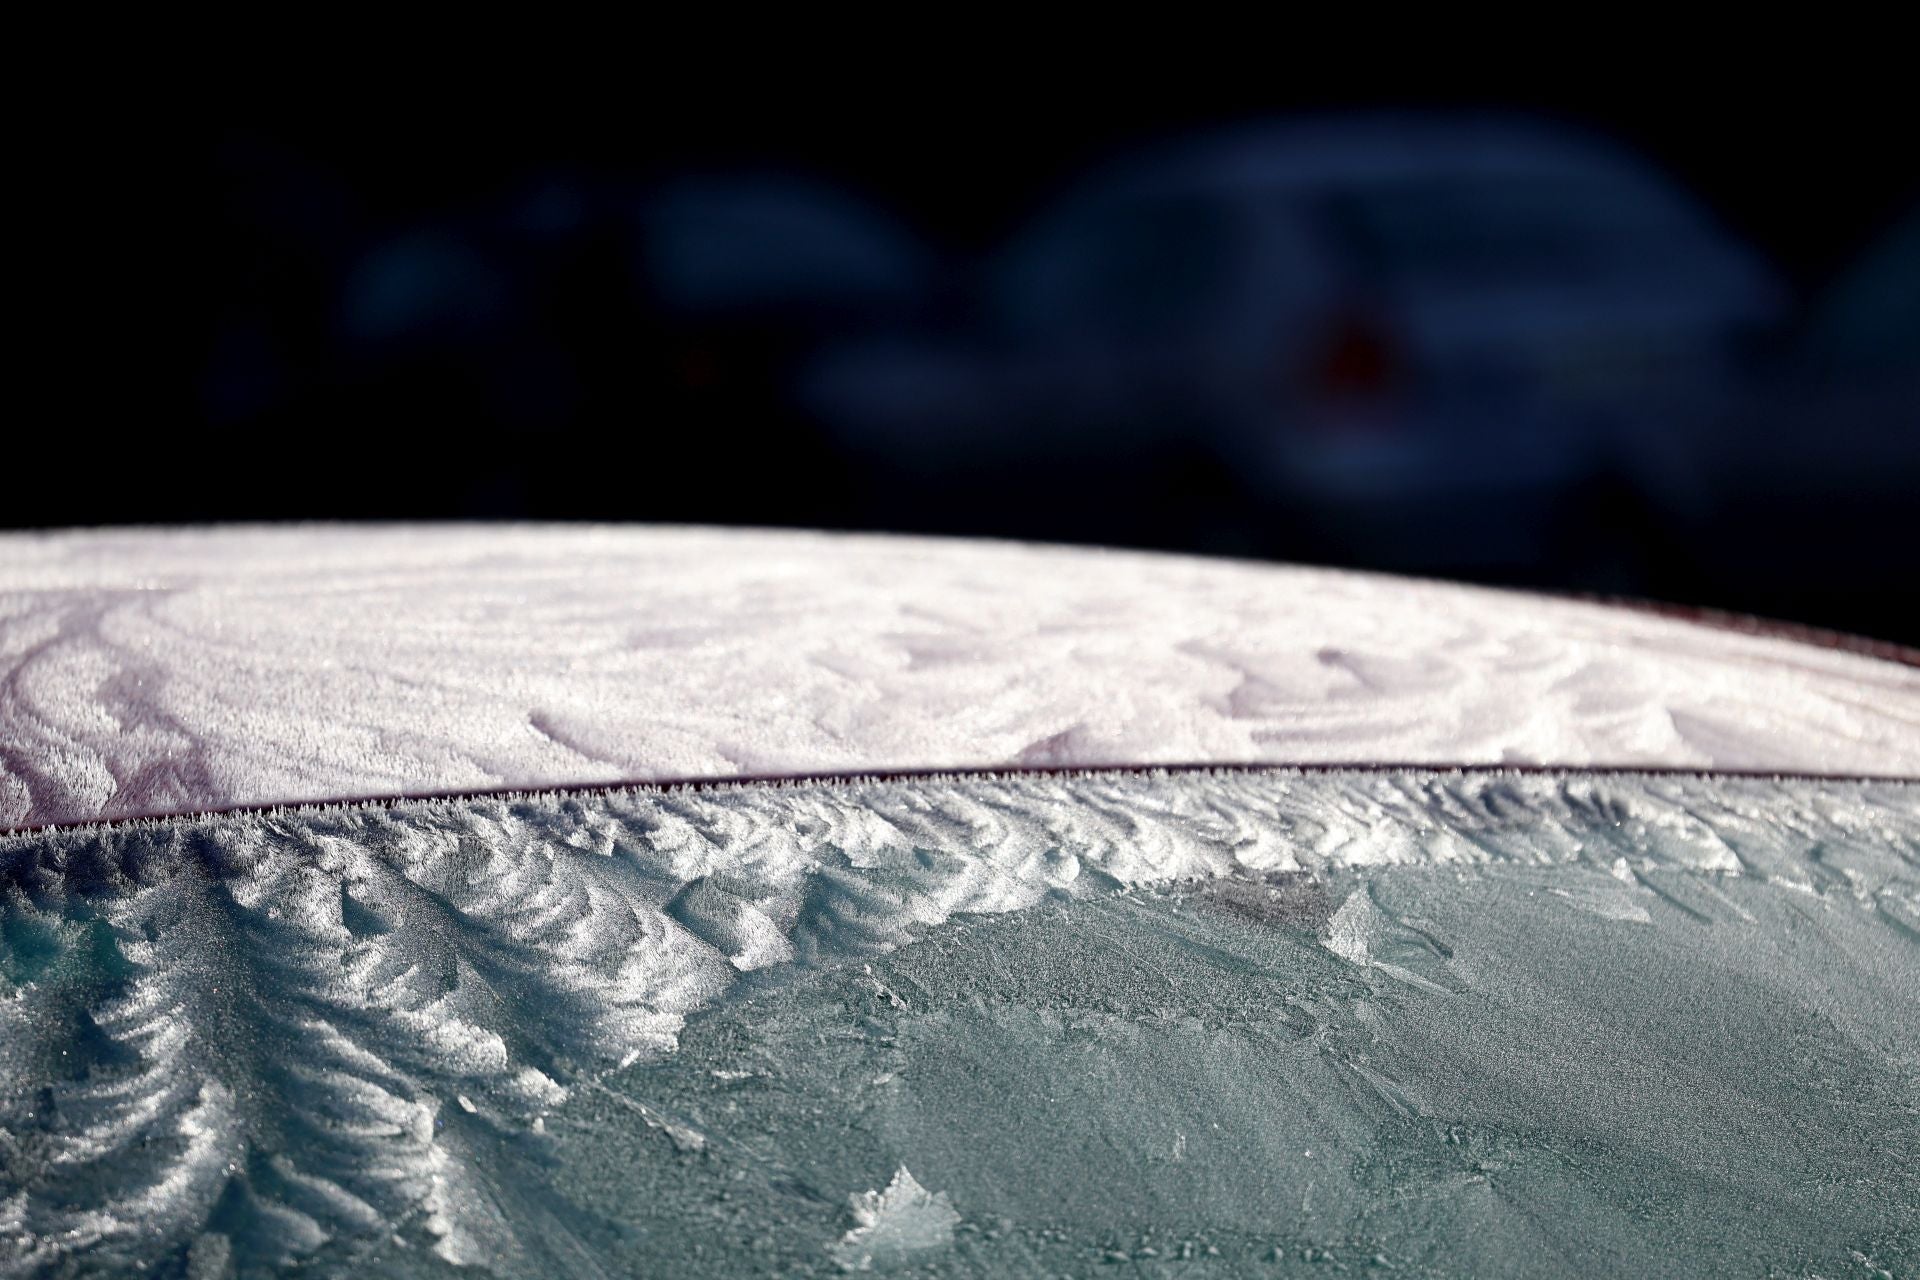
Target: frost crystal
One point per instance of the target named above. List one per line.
(889, 1225)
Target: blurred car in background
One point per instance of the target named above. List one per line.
(1408, 341)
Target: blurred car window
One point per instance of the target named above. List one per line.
(764, 242)
(1132, 270)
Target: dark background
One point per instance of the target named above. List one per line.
(550, 382)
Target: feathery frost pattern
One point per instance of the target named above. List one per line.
(251, 1040)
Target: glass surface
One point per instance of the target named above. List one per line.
(1234, 1023)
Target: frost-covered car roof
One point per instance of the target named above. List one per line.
(1630, 1010)
(148, 672)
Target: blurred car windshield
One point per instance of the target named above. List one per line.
(1131, 269)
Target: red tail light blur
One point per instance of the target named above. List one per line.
(1356, 360)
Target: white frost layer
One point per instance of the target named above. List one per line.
(147, 672)
(327, 1025)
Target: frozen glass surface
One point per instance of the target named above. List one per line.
(1236, 1023)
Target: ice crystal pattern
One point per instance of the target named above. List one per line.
(267, 1038)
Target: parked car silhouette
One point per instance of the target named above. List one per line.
(1418, 336)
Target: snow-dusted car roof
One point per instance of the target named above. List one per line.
(149, 672)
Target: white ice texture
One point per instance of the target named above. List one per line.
(149, 672)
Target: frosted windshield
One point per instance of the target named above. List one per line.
(1269, 1021)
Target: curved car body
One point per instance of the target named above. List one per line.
(602, 901)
